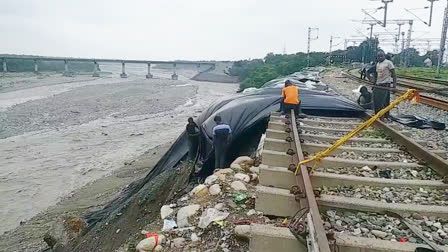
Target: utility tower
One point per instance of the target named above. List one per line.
(442, 41)
(310, 30)
(408, 45)
(331, 47)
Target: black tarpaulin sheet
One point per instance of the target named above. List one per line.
(242, 112)
(418, 122)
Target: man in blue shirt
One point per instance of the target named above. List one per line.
(221, 140)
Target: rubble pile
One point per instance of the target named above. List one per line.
(424, 173)
(213, 216)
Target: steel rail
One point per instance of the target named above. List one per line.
(304, 182)
(415, 78)
(431, 101)
(434, 161)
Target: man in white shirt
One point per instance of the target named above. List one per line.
(385, 77)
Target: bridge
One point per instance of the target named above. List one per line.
(123, 74)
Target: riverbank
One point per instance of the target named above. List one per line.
(60, 137)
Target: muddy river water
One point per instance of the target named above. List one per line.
(60, 133)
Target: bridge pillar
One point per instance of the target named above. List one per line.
(149, 75)
(5, 69)
(66, 72)
(123, 70)
(95, 69)
(174, 76)
(36, 68)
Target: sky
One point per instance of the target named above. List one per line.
(193, 29)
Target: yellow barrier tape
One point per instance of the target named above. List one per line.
(409, 95)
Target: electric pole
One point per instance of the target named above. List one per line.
(386, 2)
(408, 45)
(309, 43)
(442, 41)
(331, 47)
(430, 14)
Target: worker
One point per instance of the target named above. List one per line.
(385, 77)
(365, 99)
(363, 71)
(193, 138)
(290, 98)
(222, 134)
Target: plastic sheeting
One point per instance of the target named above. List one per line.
(418, 122)
(243, 113)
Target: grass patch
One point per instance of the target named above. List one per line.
(423, 72)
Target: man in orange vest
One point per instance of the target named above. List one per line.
(290, 98)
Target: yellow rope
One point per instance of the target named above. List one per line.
(409, 95)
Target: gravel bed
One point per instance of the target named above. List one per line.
(344, 86)
(391, 194)
(401, 173)
(372, 225)
(388, 157)
(341, 134)
(360, 144)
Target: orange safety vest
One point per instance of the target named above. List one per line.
(291, 95)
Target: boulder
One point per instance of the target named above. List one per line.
(238, 186)
(255, 169)
(186, 212)
(214, 189)
(242, 163)
(210, 180)
(149, 244)
(179, 242)
(243, 231)
(242, 177)
(199, 191)
(166, 211)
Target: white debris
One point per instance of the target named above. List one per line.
(366, 168)
(414, 173)
(210, 215)
(184, 213)
(251, 212)
(168, 225)
(166, 211)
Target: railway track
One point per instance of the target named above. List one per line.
(425, 99)
(368, 196)
(426, 80)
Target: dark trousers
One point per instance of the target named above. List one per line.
(381, 99)
(193, 144)
(220, 155)
(287, 107)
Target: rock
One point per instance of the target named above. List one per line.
(243, 231)
(414, 173)
(219, 206)
(238, 186)
(184, 213)
(365, 230)
(199, 191)
(438, 225)
(412, 240)
(366, 169)
(417, 216)
(251, 212)
(194, 237)
(179, 242)
(253, 177)
(158, 248)
(224, 171)
(242, 162)
(379, 234)
(255, 169)
(63, 230)
(149, 244)
(214, 189)
(242, 177)
(357, 231)
(210, 180)
(165, 211)
(210, 215)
